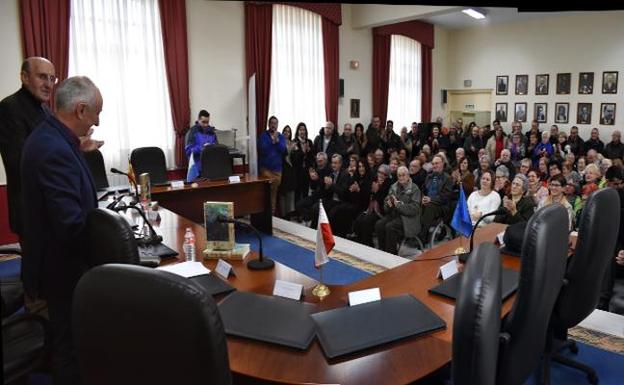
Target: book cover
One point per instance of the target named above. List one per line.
(219, 236)
(238, 252)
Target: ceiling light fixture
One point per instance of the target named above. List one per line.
(475, 13)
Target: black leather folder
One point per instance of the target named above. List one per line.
(275, 320)
(450, 287)
(213, 284)
(350, 329)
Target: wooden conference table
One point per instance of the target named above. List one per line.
(394, 363)
(252, 196)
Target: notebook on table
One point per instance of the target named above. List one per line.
(450, 287)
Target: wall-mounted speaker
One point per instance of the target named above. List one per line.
(444, 96)
(341, 88)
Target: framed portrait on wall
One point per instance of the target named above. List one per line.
(355, 108)
(502, 85)
(586, 83)
(609, 82)
(522, 84)
(607, 114)
(501, 112)
(563, 83)
(562, 112)
(583, 113)
(541, 84)
(540, 112)
(520, 112)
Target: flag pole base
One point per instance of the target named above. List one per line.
(321, 291)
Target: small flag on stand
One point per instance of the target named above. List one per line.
(324, 238)
(193, 169)
(461, 217)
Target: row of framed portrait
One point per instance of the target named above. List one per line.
(562, 113)
(564, 81)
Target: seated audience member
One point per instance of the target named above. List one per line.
(516, 128)
(496, 143)
(484, 200)
(327, 141)
(554, 134)
(605, 163)
(559, 146)
(505, 160)
(570, 157)
(615, 148)
(360, 137)
(567, 170)
(355, 200)
(591, 157)
(579, 203)
(302, 159)
(594, 142)
(542, 167)
(389, 138)
(417, 173)
(571, 189)
(200, 135)
(436, 197)
(379, 159)
(401, 213)
(536, 190)
(394, 166)
(364, 224)
(581, 164)
(592, 175)
(534, 130)
(370, 161)
(304, 207)
(525, 166)
(518, 207)
(577, 145)
(406, 141)
(543, 149)
(502, 184)
(403, 157)
(484, 166)
(614, 177)
(333, 191)
(437, 141)
(424, 159)
(554, 168)
(556, 184)
(462, 177)
(347, 140)
(473, 144)
(460, 153)
(516, 148)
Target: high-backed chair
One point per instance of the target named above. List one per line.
(476, 323)
(95, 161)
(135, 325)
(595, 245)
(524, 329)
(150, 160)
(216, 162)
(110, 239)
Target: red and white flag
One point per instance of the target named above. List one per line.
(324, 238)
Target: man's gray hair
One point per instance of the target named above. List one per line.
(321, 154)
(329, 124)
(77, 89)
(502, 170)
(525, 181)
(402, 169)
(384, 168)
(337, 156)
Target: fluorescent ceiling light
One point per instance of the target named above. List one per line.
(477, 14)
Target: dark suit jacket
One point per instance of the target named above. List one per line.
(20, 113)
(525, 209)
(57, 196)
(340, 187)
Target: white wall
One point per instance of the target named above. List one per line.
(373, 15)
(592, 42)
(216, 44)
(11, 47)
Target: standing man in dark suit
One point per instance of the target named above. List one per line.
(20, 113)
(57, 196)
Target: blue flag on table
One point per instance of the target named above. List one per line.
(193, 169)
(461, 218)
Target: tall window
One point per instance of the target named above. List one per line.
(405, 89)
(118, 44)
(297, 69)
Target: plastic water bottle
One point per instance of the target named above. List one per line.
(189, 244)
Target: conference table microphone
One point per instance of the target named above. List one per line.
(152, 238)
(463, 257)
(257, 264)
(130, 178)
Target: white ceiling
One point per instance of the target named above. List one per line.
(456, 19)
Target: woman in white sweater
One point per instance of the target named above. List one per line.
(484, 200)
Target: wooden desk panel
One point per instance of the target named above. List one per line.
(251, 196)
(395, 363)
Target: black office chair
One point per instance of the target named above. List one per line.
(135, 325)
(524, 329)
(476, 323)
(11, 287)
(150, 160)
(216, 162)
(597, 235)
(110, 239)
(95, 161)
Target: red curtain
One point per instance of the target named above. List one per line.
(422, 33)
(258, 39)
(45, 32)
(173, 22)
(381, 75)
(332, 68)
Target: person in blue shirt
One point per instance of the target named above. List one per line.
(271, 147)
(200, 135)
(543, 149)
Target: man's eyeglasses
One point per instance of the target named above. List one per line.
(554, 185)
(47, 78)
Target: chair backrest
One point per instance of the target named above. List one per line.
(136, 325)
(150, 160)
(476, 323)
(216, 162)
(95, 161)
(544, 254)
(110, 239)
(595, 245)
